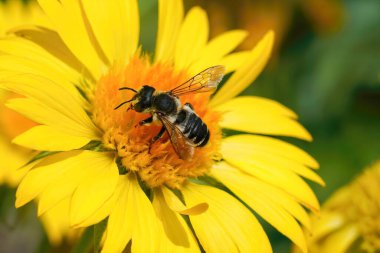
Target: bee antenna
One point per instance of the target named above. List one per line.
(125, 102)
(127, 88)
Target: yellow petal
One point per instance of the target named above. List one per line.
(177, 206)
(116, 26)
(56, 223)
(68, 18)
(63, 77)
(42, 114)
(170, 15)
(240, 183)
(49, 170)
(103, 211)
(132, 21)
(55, 99)
(145, 236)
(49, 139)
(256, 106)
(339, 198)
(63, 186)
(326, 224)
(11, 163)
(341, 240)
(261, 144)
(192, 38)
(248, 72)
(233, 61)
(272, 204)
(272, 155)
(227, 226)
(218, 47)
(224, 44)
(34, 86)
(275, 175)
(14, 13)
(133, 216)
(176, 235)
(259, 115)
(45, 46)
(19, 172)
(92, 193)
(120, 222)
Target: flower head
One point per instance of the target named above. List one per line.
(349, 221)
(106, 166)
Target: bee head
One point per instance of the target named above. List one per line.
(143, 98)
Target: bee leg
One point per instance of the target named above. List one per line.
(158, 136)
(145, 121)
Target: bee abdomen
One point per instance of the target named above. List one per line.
(205, 140)
(181, 117)
(196, 130)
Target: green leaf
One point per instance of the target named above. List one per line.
(91, 238)
(41, 155)
(85, 242)
(93, 145)
(98, 234)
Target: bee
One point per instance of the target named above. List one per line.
(184, 127)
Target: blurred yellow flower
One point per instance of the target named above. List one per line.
(350, 220)
(70, 76)
(12, 157)
(14, 13)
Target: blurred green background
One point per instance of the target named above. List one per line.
(326, 67)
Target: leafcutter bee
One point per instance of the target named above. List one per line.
(185, 128)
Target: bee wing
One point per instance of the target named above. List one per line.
(179, 142)
(205, 81)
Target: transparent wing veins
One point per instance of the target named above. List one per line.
(205, 81)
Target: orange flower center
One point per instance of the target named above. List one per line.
(156, 164)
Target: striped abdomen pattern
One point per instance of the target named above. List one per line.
(192, 126)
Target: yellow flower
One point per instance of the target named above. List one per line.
(349, 221)
(14, 14)
(70, 76)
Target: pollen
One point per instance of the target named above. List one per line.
(156, 164)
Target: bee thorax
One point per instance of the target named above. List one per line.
(165, 103)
